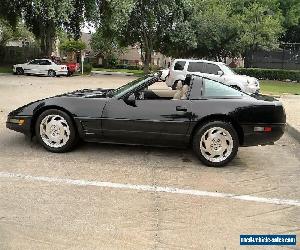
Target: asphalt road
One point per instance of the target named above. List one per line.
(124, 197)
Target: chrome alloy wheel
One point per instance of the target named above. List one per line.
(54, 131)
(216, 144)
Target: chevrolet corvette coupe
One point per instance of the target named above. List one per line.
(213, 118)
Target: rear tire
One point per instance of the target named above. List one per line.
(56, 131)
(51, 73)
(216, 143)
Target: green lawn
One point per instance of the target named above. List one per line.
(134, 71)
(278, 87)
(5, 70)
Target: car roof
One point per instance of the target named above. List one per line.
(199, 60)
(42, 59)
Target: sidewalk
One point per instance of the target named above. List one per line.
(291, 104)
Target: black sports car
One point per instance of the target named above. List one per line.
(212, 117)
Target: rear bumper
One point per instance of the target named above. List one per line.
(14, 123)
(62, 73)
(252, 138)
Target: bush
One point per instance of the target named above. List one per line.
(87, 68)
(125, 66)
(270, 74)
(154, 67)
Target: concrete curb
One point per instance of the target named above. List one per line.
(293, 132)
(111, 73)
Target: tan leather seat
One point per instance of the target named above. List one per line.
(185, 90)
(178, 92)
(181, 91)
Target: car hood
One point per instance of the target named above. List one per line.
(241, 78)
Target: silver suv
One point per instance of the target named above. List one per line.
(214, 70)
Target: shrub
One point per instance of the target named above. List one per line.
(125, 66)
(270, 74)
(87, 68)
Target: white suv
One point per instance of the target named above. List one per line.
(214, 70)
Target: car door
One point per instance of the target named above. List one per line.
(31, 67)
(44, 67)
(149, 122)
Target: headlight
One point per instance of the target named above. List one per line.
(17, 121)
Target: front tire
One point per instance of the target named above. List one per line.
(56, 131)
(19, 71)
(216, 143)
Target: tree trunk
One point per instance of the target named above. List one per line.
(147, 61)
(47, 37)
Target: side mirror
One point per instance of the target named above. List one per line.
(220, 73)
(130, 100)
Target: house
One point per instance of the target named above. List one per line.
(131, 56)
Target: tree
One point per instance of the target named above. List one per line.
(216, 30)
(291, 11)
(44, 19)
(261, 25)
(72, 47)
(82, 11)
(176, 34)
(10, 33)
(106, 41)
(153, 24)
(10, 11)
(106, 46)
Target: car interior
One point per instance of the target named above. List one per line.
(153, 93)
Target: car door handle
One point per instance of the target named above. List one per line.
(181, 108)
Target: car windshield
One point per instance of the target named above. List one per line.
(227, 70)
(127, 87)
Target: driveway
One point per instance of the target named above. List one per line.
(130, 197)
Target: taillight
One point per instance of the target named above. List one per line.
(262, 129)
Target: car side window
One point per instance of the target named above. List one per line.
(196, 67)
(179, 65)
(196, 89)
(45, 62)
(212, 69)
(34, 62)
(216, 89)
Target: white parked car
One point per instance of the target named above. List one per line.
(214, 70)
(41, 67)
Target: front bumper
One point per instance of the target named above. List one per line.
(20, 124)
(255, 138)
(252, 89)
